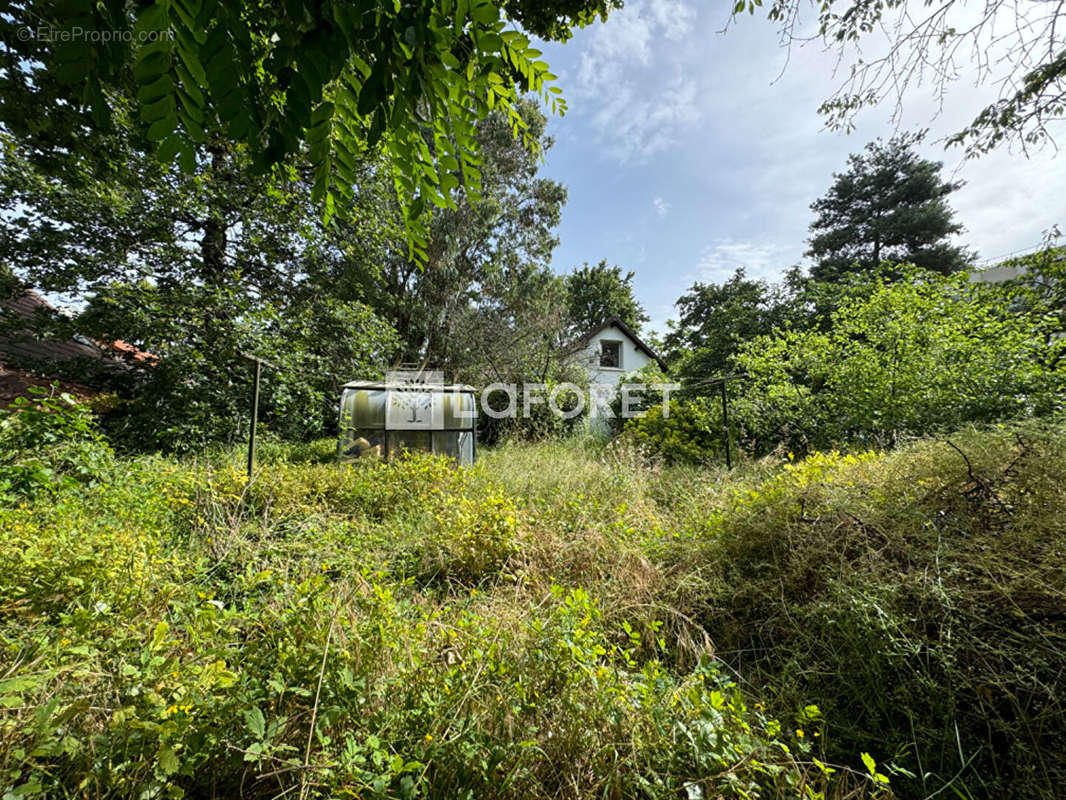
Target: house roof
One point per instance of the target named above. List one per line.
(26, 346)
(15, 383)
(617, 322)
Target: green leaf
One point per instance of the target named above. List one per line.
(151, 65)
(160, 129)
(871, 765)
(30, 787)
(255, 721)
(485, 13)
(187, 158)
(377, 127)
(152, 18)
(191, 61)
(187, 13)
(373, 92)
(159, 633)
(191, 107)
(321, 116)
(168, 759)
(163, 108)
(156, 90)
(418, 205)
(169, 148)
(192, 127)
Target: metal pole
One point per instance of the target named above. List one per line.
(255, 417)
(725, 426)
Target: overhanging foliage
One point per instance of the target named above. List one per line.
(333, 80)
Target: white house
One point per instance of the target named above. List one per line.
(607, 353)
(1000, 273)
(611, 350)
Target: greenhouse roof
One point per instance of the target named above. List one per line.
(428, 387)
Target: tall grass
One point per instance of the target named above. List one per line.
(561, 620)
(396, 631)
(919, 597)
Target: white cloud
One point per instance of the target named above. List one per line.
(619, 79)
(1008, 201)
(662, 208)
(763, 260)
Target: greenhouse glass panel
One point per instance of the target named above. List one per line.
(379, 420)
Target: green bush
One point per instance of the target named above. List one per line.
(560, 620)
(48, 443)
(908, 358)
(690, 433)
(469, 539)
(916, 597)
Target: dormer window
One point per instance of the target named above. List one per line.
(610, 354)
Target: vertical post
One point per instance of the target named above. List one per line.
(725, 425)
(255, 417)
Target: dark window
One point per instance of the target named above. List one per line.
(610, 354)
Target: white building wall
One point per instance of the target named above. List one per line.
(632, 357)
(998, 274)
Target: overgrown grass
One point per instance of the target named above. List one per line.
(919, 597)
(561, 620)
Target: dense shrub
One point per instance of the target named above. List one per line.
(47, 442)
(502, 420)
(877, 359)
(907, 358)
(917, 597)
(197, 392)
(560, 620)
(689, 432)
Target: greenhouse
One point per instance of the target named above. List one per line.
(380, 420)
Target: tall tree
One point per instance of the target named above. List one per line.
(597, 293)
(486, 258)
(890, 205)
(716, 319)
(197, 269)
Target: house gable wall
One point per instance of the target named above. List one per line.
(633, 358)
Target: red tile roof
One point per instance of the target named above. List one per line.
(29, 347)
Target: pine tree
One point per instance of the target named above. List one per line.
(891, 206)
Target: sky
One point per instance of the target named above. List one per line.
(688, 151)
